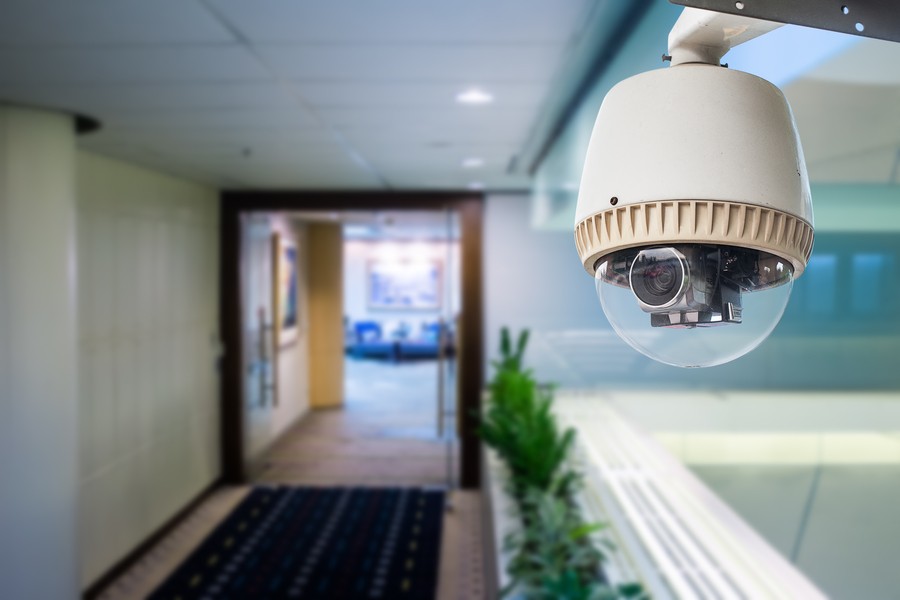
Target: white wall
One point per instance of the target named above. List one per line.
(148, 338)
(264, 419)
(357, 254)
(533, 279)
(38, 413)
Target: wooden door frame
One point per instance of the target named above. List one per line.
(470, 369)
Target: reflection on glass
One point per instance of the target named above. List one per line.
(821, 284)
(867, 279)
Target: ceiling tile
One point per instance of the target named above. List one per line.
(213, 118)
(460, 21)
(142, 64)
(105, 22)
(473, 63)
(839, 119)
(332, 174)
(98, 99)
(364, 95)
(450, 117)
(224, 135)
(432, 134)
(331, 95)
(226, 156)
(870, 62)
(440, 179)
(448, 160)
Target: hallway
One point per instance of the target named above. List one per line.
(386, 434)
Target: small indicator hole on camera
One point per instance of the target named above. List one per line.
(845, 9)
(739, 5)
(860, 27)
(613, 200)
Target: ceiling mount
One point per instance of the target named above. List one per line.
(878, 19)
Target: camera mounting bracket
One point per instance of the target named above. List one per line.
(878, 19)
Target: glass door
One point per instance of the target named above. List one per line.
(258, 343)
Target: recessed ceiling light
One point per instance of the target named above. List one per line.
(473, 162)
(474, 96)
(476, 186)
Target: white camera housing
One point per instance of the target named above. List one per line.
(696, 156)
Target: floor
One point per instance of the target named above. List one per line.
(839, 524)
(386, 435)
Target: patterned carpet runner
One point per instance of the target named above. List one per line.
(318, 543)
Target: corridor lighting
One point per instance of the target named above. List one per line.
(476, 186)
(474, 96)
(473, 162)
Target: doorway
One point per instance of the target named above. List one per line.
(416, 315)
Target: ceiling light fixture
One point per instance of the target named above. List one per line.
(474, 97)
(476, 186)
(473, 162)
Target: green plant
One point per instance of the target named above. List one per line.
(552, 551)
(520, 426)
(554, 557)
(511, 360)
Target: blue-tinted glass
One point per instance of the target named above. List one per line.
(867, 283)
(821, 284)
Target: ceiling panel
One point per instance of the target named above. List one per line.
(436, 135)
(870, 62)
(452, 117)
(439, 178)
(219, 117)
(226, 153)
(477, 64)
(295, 94)
(133, 64)
(449, 160)
(193, 135)
(460, 21)
(494, 155)
(108, 22)
(104, 98)
(836, 119)
(331, 175)
(328, 169)
(369, 94)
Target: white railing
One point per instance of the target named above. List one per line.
(671, 532)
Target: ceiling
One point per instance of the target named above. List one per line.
(848, 114)
(312, 94)
(318, 95)
(844, 91)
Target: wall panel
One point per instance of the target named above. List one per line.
(148, 342)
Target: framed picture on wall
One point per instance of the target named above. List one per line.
(285, 291)
(404, 285)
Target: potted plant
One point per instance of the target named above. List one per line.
(553, 555)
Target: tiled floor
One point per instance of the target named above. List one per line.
(386, 435)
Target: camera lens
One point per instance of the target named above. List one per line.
(657, 276)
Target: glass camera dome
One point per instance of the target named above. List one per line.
(693, 305)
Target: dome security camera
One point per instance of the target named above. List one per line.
(694, 213)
